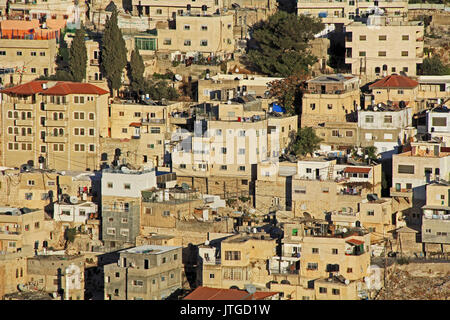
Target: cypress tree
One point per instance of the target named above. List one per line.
(136, 70)
(78, 56)
(114, 53)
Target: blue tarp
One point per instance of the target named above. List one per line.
(278, 108)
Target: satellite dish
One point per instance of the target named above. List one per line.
(73, 200)
(358, 108)
(178, 77)
(375, 108)
(184, 186)
(345, 230)
(124, 169)
(347, 282)
(206, 243)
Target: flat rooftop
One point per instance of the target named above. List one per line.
(151, 249)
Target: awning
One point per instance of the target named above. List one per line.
(355, 242)
(356, 170)
(135, 124)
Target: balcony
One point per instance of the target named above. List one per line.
(9, 235)
(55, 107)
(153, 121)
(56, 139)
(55, 123)
(23, 106)
(395, 192)
(24, 138)
(28, 122)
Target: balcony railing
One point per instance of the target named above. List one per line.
(153, 121)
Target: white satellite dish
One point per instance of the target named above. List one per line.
(73, 200)
(358, 108)
(347, 282)
(375, 108)
(178, 77)
(124, 169)
(345, 230)
(206, 243)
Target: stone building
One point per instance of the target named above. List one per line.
(55, 122)
(380, 47)
(148, 272)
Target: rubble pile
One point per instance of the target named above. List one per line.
(404, 285)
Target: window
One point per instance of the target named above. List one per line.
(349, 133)
(335, 291)
(124, 130)
(335, 133)
(91, 116)
(241, 151)
(382, 53)
(158, 11)
(110, 185)
(124, 232)
(155, 130)
(111, 231)
(405, 69)
(167, 42)
(33, 70)
(204, 28)
(187, 27)
(30, 182)
(42, 54)
(382, 38)
(405, 37)
(312, 266)
(127, 186)
(79, 147)
(19, 53)
(187, 43)
(369, 119)
(404, 53)
(362, 38)
(145, 43)
(387, 136)
(388, 119)
(315, 250)
(211, 275)
(223, 150)
(330, 106)
(182, 166)
(2, 53)
(121, 113)
(349, 270)
(91, 131)
(362, 53)
(241, 168)
(232, 255)
(439, 121)
(312, 106)
(405, 169)
(166, 213)
(203, 43)
(370, 213)
(334, 251)
(223, 167)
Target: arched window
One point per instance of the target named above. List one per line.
(377, 70)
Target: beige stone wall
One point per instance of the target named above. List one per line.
(393, 47)
(25, 123)
(352, 267)
(320, 108)
(43, 60)
(13, 271)
(219, 34)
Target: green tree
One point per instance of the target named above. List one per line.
(281, 44)
(434, 66)
(306, 142)
(136, 70)
(288, 93)
(69, 234)
(161, 90)
(78, 56)
(114, 53)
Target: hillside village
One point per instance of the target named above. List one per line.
(155, 150)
